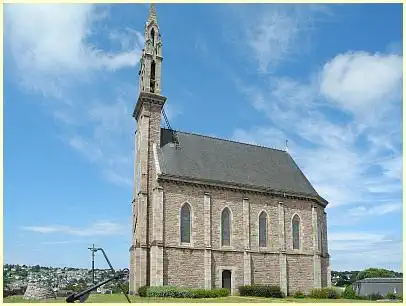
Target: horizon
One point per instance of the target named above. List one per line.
(327, 78)
(89, 268)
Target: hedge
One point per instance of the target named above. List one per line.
(325, 293)
(177, 292)
(261, 291)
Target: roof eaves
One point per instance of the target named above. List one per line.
(281, 193)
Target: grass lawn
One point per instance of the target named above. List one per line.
(120, 298)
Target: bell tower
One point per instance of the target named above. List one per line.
(151, 60)
(146, 248)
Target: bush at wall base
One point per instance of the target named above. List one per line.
(261, 291)
(142, 291)
(177, 292)
(299, 295)
(375, 297)
(325, 293)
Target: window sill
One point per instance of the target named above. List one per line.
(226, 247)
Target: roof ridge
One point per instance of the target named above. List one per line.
(228, 140)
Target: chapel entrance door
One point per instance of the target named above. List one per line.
(226, 279)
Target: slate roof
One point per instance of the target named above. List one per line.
(218, 160)
(381, 280)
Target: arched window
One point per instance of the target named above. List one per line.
(225, 226)
(153, 36)
(185, 223)
(263, 229)
(152, 84)
(296, 232)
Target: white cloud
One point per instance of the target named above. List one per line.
(51, 42)
(93, 153)
(100, 228)
(328, 150)
(258, 135)
(54, 52)
(376, 210)
(275, 33)
(110, 141)
(344, 129)
(393, 167)
(360, 81)
(361, 250)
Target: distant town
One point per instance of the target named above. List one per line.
(61, 280)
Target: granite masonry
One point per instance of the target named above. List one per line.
(199, 201)
(38, 291)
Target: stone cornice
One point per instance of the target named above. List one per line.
(231, 250)
(241, 187)
(150, 98)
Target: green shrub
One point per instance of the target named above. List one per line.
(142, 291)
(176, 292)
(318, 293)
(261, 291)
(399, 297)
(349, 293)
(220, 292)
(299, 295)
(333, 293)
(325, 293)
(245, 290)
(375, 296)
(394, 296)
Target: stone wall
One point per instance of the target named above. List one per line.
(233, 261)
(300, 273)
(324, 268)
(37, 291)
(258, 204)
(184, 267)
(304, 210)
(265, 268)
(176, 195)
(264, 263)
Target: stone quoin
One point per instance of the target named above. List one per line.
(211, 213)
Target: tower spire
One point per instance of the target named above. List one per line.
(152, 14)
(151, 59)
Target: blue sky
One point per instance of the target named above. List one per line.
(326, 77)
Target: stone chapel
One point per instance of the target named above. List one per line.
(212, 213)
